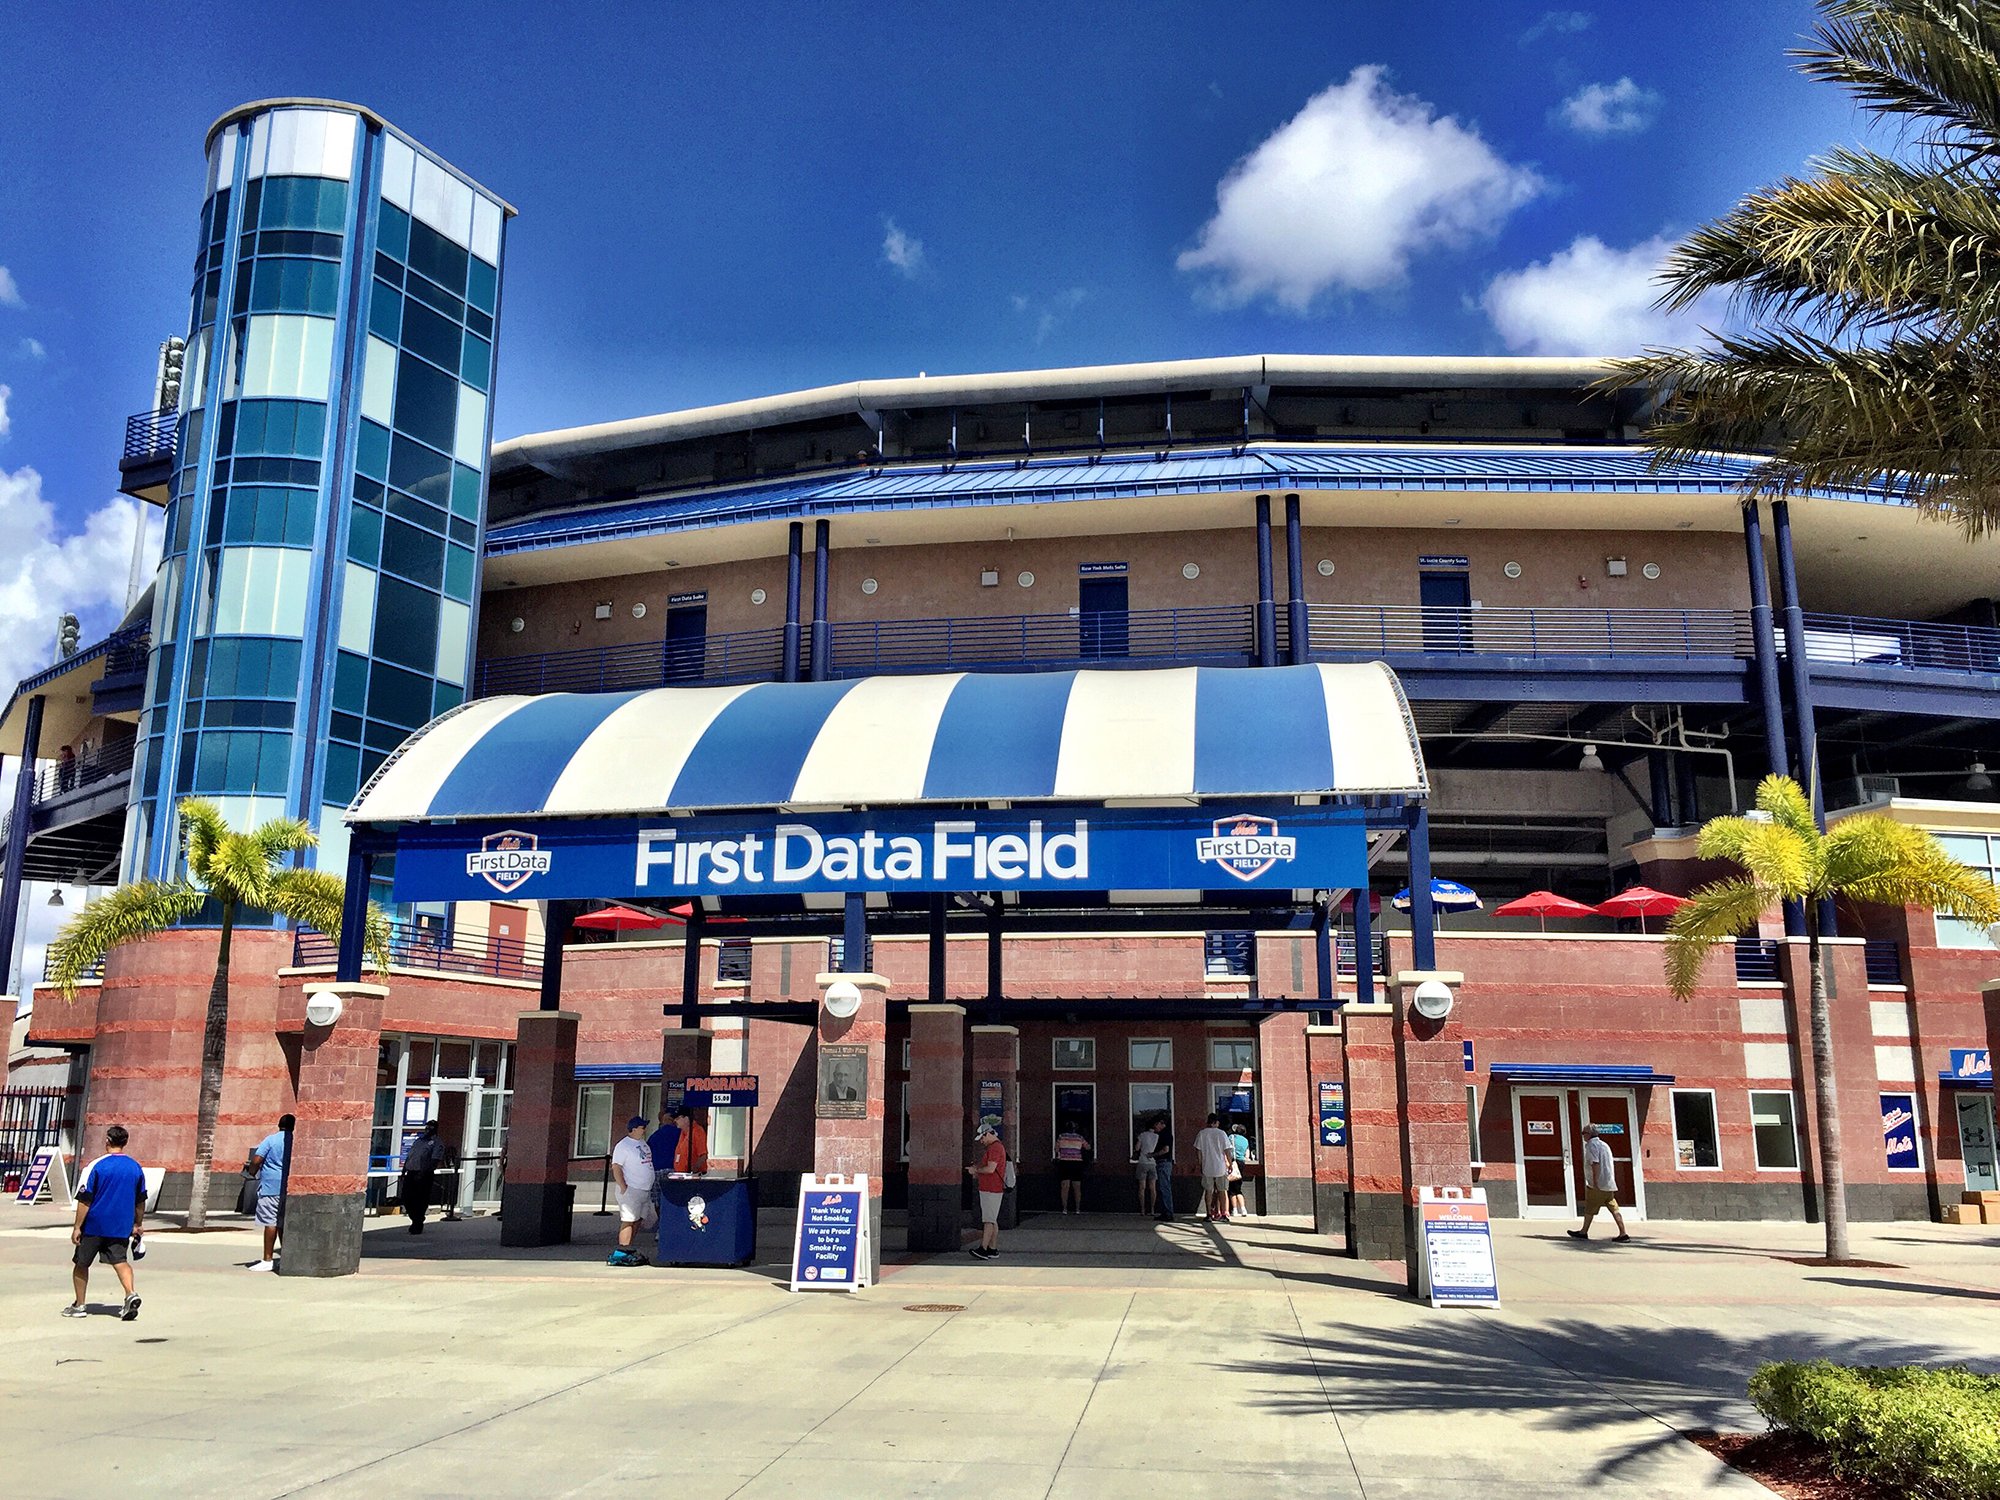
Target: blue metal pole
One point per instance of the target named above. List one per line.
(1364, 948)
(690, 965)
(1423, 931)
(820, 664)
(17, 830)
(354, 916)
(1323, 955)
(1765, 642)
(1295, 578)
(792, 567)
(854, 935)
(1267, 607)
(1800, 663)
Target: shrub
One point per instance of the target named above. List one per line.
(1932, 1433)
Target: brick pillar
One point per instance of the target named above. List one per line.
(535, 1202)
(1324, 1064)
(1289, 1118)
(685, 1054)
(1430, 1090)
(937, 1126)
(996, 1052)
(846, 1143)
(1375, 1229)
(328, 1180)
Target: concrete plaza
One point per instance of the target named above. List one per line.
(1100, 1357)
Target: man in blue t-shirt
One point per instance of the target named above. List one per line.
(664, 1142)
(269, 1160)
(110, 1218)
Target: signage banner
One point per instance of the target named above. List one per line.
(1443, 560)
(1332, 1113)
(721, 1091)
(830, 1250)
(48, 1163)
(1259, 843)
(1100, 569)
(693, 596)
(1458, 1249)
(1899, 1132)
(1972, 1063)
(993, 1104)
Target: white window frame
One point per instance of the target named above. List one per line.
(1055, 1093)
(1217, 1092)
(1791, 1105)
(1057, 1065)
(585, 1093)
(650, 1104)
(1232, 1041)
(1714, 1126)
(1149, 1041)
(1132, 1112)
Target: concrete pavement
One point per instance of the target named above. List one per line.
(1100, 1357)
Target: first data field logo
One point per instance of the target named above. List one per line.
(1247, 846)
(506, 859)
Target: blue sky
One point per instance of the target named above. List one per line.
(722, 201)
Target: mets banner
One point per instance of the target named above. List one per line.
(1255, 844)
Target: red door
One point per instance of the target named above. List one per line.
(1544, 1143)
(1619, 1131)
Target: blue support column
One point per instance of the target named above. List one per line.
(555, 935)
(854, 935)
(691, 965)
(1323, 955)
(934, 990)
(1364, 948)
(1267, 607)
(792, 569)
(1765, 641)
(354, 915)
(821, 642)
(17, 831)
(1804, 730)
(1295, 578)
(1423, 926)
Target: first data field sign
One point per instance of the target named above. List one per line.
(830, 1245)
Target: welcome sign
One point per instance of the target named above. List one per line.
(1253, 843)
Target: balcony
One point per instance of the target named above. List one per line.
(1499, 655)
(424, 945)
(85, 775)
(148, 461)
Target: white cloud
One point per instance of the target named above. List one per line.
(1048, 312)
(10, 294)
(32, 349)
(1621, 108)
(6, 422)
(1591, 299)
(1342, 195)
(42, 574)
(1557, 23)
(902, 251)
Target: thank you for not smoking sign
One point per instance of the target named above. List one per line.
(830, 1251)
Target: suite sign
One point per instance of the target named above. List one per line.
(1256, 844)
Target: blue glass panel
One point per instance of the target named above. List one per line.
(399, 697)
(446, 699)
(385, 312)
(413, 554)
(435, 338)
(406, 625)
(364, 536)
(437, 257)
(422, 471)
(476, 366)
(350, 683)
(371, 451)
(343, 774)
(426, 402)
(459, 573)
(392, 233)
(465, 492)
(481, 282)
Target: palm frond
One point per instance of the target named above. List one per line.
(121, 916)
(203, 828)
(318, 900)
(1933, 63)
(281, 836)
(240, 866)
(1713, 915)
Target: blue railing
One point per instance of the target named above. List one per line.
(149, 436)
(1229, 955)
(1383, 630)
(107, 763)
(1884, 958)
(423, 946)
(1756, 960)
(1912, 645)
(863, 647)
(750, 656)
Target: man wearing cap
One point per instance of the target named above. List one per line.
(632, 1171)
(1600, 1183)
(990, 1176)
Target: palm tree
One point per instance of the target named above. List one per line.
(1866, 857)
(237, 871)
(1872, 285)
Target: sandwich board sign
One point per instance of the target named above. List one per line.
(48, 1163)
(830, 1245)
(1457, 1261)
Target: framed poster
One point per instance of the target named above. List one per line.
(1899, 1132)
(843, 1082)
(1332, 1113)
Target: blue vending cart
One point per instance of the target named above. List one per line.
(707, 1221)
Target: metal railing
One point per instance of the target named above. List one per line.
(749, 656)
(861, 647)
(732, 960)
(29, 1120)
(150, 435)
(1756, 960)
(1913, 645)
(95, 971)
(1884, 958)
(1343, 954)
(126, 654)
(1229, 955)
(423, 946)
(1344, 629)
(106, 764)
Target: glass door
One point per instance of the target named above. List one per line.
(1975, 1141)
(484, 1154)
(1542, 1155)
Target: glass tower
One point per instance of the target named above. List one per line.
(316, 595)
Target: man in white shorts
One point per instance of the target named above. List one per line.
(1147, 1168)
(632, 1172)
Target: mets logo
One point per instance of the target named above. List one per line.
(1246, 846)
(507, 859)
(698, 1212)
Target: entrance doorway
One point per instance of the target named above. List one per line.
(1616, 1115)
(1975, 1142)
(1446, 598)
(1542, 1154)
(1104, 617)
(687, 642)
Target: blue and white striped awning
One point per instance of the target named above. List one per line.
(888, 741)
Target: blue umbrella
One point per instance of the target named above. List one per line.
(1446, 895)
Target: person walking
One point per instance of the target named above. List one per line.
(1163, 1166)
(269, 1159)
(1600, 1183)
(632, 1170)
(990, 1177)
(1216, 1154)
(421, 1160)
(1072, 1156)
(1148, 1174)
(1239, 1157)
(110, 1221)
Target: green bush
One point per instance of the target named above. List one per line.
(1932, 1433)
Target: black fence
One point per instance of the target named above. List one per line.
(29, 1120)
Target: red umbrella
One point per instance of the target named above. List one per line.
(1642, 901)
(625, 919)
(1544, 904)
(1374, 903)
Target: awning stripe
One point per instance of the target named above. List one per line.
(1086, 736)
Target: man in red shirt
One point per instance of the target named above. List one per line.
(991, 1178)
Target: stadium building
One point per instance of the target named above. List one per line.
(1083, 727)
